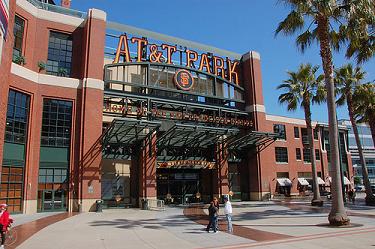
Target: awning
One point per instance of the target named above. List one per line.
(284, 182)
(320, 181)
(346, 180)
(303, 182)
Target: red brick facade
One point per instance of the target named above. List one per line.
(258, 174)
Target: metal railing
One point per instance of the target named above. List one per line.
(154, 204)
(58, 9)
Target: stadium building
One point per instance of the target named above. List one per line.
(96, 110)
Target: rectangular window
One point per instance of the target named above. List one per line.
(298, 154)
(317, 154)
(17, 117)
(56, 123)
(53, 175)
(280, 129)
(306, 155)
(18, 32)
(60, 48)
(281, 154)
(316, 134)
(296, 132)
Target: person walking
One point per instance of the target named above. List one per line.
(212, 214)
(228, 213)
(4, 223)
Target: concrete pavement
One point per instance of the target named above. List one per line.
(274, 224)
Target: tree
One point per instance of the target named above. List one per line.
(346, 79)
(364, 105)
(321, 16)
(302, 88)
(359, 30)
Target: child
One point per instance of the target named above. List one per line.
(4, 223)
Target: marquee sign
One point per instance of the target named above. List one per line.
(224, 68)
(183, 80)
(128, 110)
(191, 164)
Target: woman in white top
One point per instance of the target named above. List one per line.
(228, 213)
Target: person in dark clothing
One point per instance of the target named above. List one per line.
(212, 214)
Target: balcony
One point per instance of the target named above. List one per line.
(58, 9)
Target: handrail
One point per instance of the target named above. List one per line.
(58, 9)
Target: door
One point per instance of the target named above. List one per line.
(53, 200)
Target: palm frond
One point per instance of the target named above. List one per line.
(293, 22)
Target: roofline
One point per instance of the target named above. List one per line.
(171, 40)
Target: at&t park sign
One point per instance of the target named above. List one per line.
(224, 68)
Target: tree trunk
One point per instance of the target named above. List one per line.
(370, 198)
(337, 216)
(316, 201)
(372, 127)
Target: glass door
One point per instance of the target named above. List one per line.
(53, 200)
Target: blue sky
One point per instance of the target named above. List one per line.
(236, 25)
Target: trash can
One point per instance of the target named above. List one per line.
(144, 204)
(99, 206)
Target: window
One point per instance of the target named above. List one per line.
(317, 154)
(17, 117)
(281, 154)
(60, 49)
(316, 134)
(296, 132)
(18, 31)
(280, 129)
(298, 154)
(306, 155)
(56, 123)
(52, 175)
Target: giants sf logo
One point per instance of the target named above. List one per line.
(183, 80)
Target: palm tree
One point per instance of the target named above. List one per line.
(321, 16)
(364, 105)
(346, 79)
(359, 30)
(302, 88)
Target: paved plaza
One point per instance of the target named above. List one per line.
(275, 224)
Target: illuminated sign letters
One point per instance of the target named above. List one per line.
(226, 69)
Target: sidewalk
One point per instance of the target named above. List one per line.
(280, 224)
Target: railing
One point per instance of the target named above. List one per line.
(154, 204)
(58, 9)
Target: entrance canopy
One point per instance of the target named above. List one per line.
(184, 135)
(124, 133)
(251, 138)
(178, 141)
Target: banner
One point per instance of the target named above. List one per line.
(4, 16)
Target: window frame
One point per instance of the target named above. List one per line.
(280, 158)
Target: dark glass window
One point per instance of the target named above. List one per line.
(56, 123)
(18, 31)
(296, 132)
(281, 154)
(60, 49)
(316, 137)
(280, 129)
(306, 155)
(298, 154)
(17, 117)
(317, 154)
(53, 175)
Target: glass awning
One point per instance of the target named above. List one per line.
(128, 132)
(193, 136)
(251, 138)
(178, 141)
